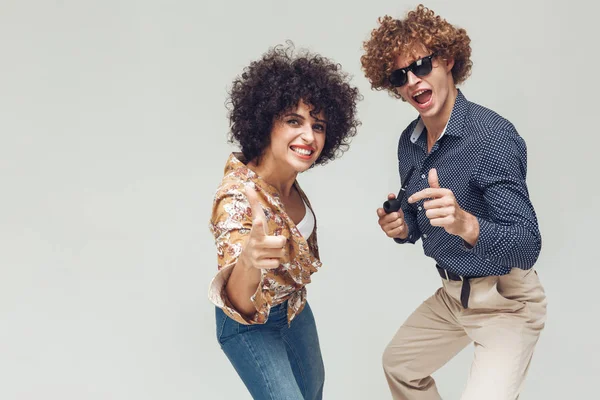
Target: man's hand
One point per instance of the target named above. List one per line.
(443, 210)
(393, 224)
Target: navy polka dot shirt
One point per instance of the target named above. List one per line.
(483, 160)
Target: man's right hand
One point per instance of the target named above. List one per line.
(261, 251)
(393, 224)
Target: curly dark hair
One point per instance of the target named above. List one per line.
(275, 84)
(421, 27)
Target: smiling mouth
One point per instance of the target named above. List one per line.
(301, 151)
(422, 96)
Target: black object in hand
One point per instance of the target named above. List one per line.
(391, 206)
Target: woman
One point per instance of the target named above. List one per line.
(288, 112)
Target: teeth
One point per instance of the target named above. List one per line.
(419, 93)
(302, 151)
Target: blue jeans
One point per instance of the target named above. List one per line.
(276, 362)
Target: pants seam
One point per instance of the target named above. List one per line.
(297, 362)
(256, 360)
(220, 335)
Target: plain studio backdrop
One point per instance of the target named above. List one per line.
(113, 141)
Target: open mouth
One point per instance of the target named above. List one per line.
(422, 96)
(302, 152)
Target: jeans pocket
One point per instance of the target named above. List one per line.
(226, 327)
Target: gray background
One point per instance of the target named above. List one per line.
(112, 142)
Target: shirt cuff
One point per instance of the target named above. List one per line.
(218, 296)
(485, 241)
(409, 239)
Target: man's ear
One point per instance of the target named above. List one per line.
(449, 64)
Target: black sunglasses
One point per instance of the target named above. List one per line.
(420, 67)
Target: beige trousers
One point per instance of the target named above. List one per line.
(504, 319)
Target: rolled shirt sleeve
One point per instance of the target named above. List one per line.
(230, 225)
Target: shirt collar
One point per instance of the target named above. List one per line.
(454, 126)
(236, 161)
(236, 166)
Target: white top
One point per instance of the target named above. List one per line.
(307, 225)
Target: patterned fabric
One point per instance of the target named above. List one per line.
(483, 160)
(230, 225)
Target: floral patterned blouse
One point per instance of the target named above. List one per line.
(230, 225)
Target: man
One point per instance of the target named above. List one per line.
(463, 167)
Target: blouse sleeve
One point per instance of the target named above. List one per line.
(230, 224)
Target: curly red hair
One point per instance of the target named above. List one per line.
(421, 27)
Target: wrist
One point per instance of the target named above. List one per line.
(243, 263)
(247, 271)
(470, 232)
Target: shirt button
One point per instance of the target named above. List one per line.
(420, 208)
(423, 176)
(424, 236)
